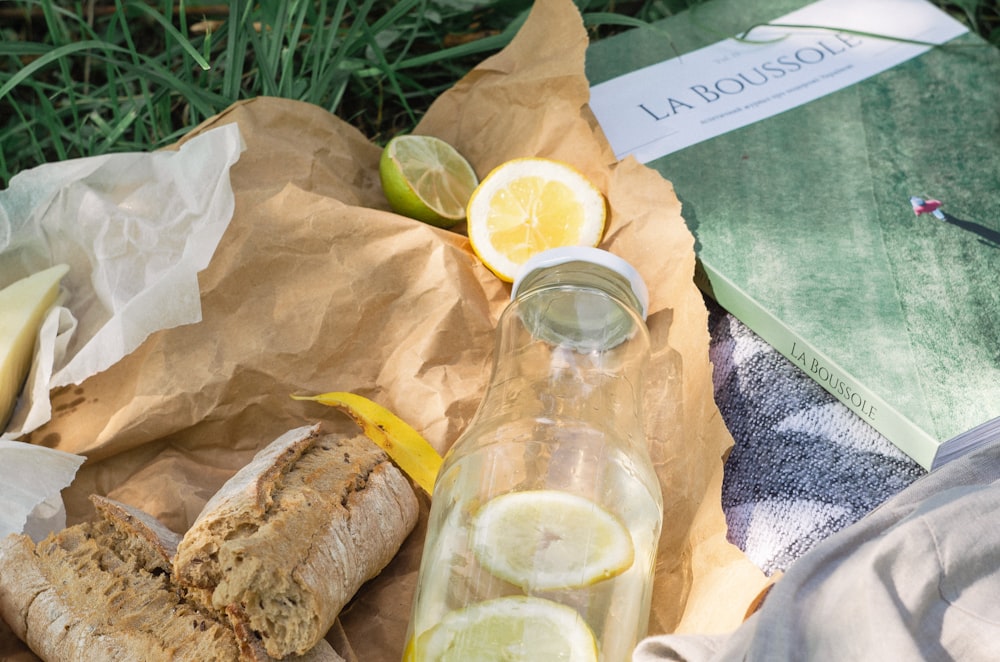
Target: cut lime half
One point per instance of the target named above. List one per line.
(425, 178)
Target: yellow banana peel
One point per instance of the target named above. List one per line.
(408, 449)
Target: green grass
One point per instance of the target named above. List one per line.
(88, 77)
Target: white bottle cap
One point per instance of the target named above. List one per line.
(562, 255)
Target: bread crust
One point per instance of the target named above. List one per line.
(239, 504)
(37, 614)
(252, 649)
(148, 534)
(262, 574)
(99, 591)
(293, 536)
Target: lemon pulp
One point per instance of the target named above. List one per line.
(528, 205)
(547, 539)
(507, 629)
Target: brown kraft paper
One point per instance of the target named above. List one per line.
(316, 286)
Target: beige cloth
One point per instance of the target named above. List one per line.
(917, 579)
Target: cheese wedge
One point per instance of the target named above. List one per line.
(22, 308)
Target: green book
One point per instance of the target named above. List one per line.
(805, 228)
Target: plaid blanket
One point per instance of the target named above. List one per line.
(803, 465)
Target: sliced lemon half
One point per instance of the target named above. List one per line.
(425, 178)
(528, 205)
(547, 539)
(510, 629)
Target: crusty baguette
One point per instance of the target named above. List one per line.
(100, 591)
(252, 648)
(12, 649)
(139, 534)
(292, 536)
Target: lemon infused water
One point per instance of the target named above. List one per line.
(546, 513)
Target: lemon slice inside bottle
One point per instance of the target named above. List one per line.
(547, 540)
(508, 629)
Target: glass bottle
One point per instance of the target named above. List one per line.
(547, 511)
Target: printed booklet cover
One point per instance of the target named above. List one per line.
(843, 186)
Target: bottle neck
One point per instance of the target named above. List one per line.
(599, 319)
(571, 347)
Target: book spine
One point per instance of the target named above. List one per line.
(859, 398)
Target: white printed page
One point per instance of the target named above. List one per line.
(665, 107)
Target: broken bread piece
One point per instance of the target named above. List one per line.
(101, 591)
(291, 537)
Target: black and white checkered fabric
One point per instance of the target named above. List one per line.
(803, 465)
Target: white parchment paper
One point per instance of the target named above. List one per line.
(32, 478)
(135, 230)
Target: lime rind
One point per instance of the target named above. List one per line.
(541, 540)
(427, 179)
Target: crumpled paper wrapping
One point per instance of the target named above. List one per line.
(32, 479)
(317, 286)
(135, 230)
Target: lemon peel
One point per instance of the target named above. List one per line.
(527, 205)
(406, 447)
(544, 540)
(507, 629)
